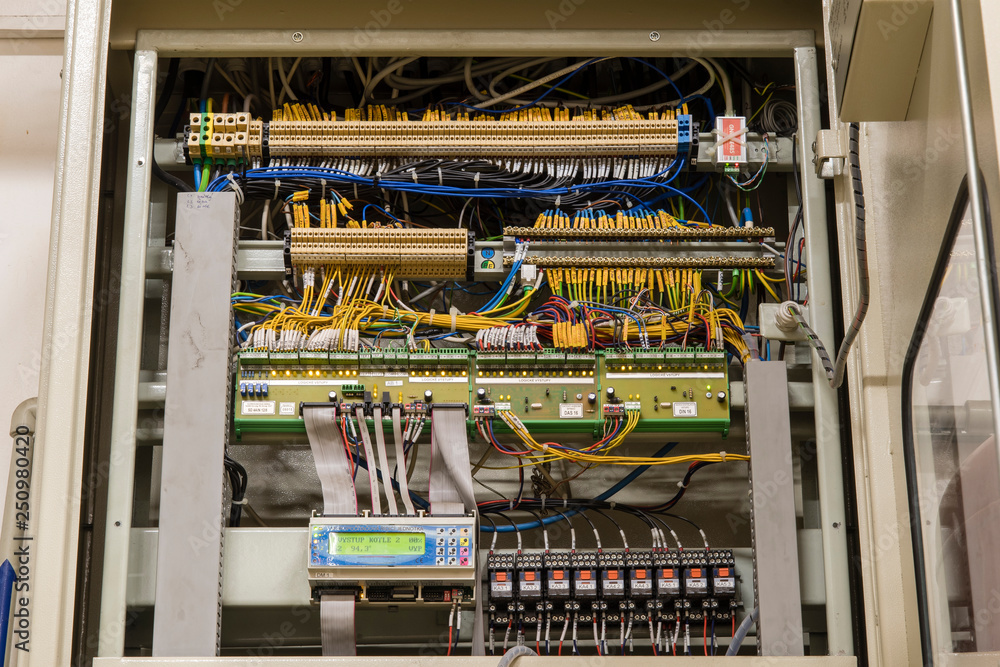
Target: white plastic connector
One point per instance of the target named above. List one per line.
(777, 324)
(783, 318)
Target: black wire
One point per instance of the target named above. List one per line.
(541, 524)
(586, 518)
(206, 82)
(611, 520)
(238, 482)
(517, 530)
(169, 179)
(482, 515)
(906, 408)
(569, 522)
(676, 516)
(168, 89)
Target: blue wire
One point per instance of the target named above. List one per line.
(656, 69)
(625, 481)
(707, 101)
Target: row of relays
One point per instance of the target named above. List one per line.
(610, 585)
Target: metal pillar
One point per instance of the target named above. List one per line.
(69, 297)
(828, 451)
(121, 466)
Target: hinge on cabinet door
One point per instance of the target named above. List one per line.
(830, 152)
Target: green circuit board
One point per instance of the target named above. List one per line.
(551, 392)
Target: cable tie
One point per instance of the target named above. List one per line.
(722, 455)
(440, 177)
(413, 172)
(545, 448)
(510, 506)
(242, 501)
(681, 485)
(431, 314)
(612, 504)
(277, 184)
(476, 180)
(455, 312)
(543, 502)
(565, 503)
(236, 187)
(558, 199)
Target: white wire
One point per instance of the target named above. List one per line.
(284, 81)
(516, 68)
(386, 71)
(232, 83)
(270, 82)
(469, 83)
(727, 90)
(539, 82)
(360, 70)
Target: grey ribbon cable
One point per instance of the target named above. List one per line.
(397, 435)
(332, 466)
(336, 610)
(450, 489)
(336, 620)
(370, 459)
(383, 462)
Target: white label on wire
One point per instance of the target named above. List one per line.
(571, 411)
(393, 383)
(685, 409)
(286, 409)
(257, 408)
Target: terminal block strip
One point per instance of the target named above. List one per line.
(646, 262)
(616, 234)
(237, 136)
(408, 253)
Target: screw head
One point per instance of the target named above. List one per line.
(654, 36)
(297, 36)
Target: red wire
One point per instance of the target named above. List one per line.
(449, 640)
(560, 648)
(705, 634)
(350, 458)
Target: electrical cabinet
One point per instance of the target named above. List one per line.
(413, 333)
